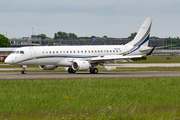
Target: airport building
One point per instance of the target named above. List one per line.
(35, 40)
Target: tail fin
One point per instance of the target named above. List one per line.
(143, 34)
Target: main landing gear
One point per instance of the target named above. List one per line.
(93, 70)
(70, 70)
(24, 69)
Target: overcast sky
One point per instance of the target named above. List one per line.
(113, 18)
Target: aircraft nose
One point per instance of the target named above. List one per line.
(8, 61)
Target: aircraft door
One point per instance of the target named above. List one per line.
(33, 53)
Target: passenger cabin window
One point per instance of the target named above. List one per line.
(21, 52)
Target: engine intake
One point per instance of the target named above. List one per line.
(47, 67)
(81, 65)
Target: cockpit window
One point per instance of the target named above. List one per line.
(17, 52)
(21, 52)
(13, 52)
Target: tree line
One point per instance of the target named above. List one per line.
(64, 35)
(4, 41)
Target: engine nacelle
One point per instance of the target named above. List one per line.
(47, 67)
(81, 65)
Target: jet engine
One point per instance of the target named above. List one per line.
(47, 67)
(81, 65)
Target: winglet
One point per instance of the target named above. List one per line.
(151, 51)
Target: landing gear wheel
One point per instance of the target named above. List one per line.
(95, 70)
(70, 70)
(23, 71)
(91, 70)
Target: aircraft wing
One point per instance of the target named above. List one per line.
(113, 57)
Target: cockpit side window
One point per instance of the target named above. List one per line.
(13, 52)
(21, 52)
(17, 52)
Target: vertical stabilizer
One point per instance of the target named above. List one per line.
(143, 34)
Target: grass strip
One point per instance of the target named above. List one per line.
(95, 98)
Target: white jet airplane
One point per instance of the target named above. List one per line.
(82, 58)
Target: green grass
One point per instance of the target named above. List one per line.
(97, 98)
(160, 59)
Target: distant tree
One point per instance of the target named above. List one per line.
(72, 36)
(154, 37)
(172, 41)
(105, 36)
(132, 36)
(64, 35)
(4, 41)
(45, 36)
(60, 35)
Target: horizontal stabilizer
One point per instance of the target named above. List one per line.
(164, 46)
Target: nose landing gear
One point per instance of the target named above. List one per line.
(24, 69)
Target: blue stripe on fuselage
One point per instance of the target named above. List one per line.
(138, 46)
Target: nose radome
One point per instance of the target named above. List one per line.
(7, 60)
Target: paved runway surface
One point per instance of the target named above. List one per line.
(99, 75)
(114, 66)
(87, 75)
